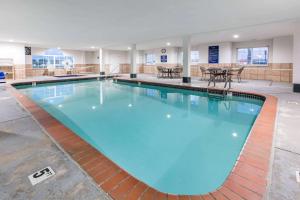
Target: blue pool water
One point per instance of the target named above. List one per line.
(176, 141)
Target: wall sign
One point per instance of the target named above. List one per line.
(41, 175)
(213, 54)
(28, 51)
(163, 58)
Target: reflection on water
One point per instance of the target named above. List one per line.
(53, 94)
(177, 141)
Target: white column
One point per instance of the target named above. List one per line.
(186, 48)
(296, 58)
(133, 53)
(101, 61)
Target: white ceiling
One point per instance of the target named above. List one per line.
(80, 24)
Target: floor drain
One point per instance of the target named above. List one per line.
(298, 176)
(41, 175)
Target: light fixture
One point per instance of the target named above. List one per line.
(93, 107)
(130, 105)
(11, 40)
(236, 36)
(168, 116)
(168, 44)
(129, 48)
(92, 47)
(60, 106)
(58, 48)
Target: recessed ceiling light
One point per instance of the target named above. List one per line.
(92, 47)
(236, 36)
(58, 48)
(129, 48)
(11, 40)
(168, 43)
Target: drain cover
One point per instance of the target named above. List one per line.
(298, 176)
(41, 175)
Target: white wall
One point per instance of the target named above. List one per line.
(91, 57)
(225, 51)
(252, 44)
(283, 49)
(296, 54)
(13, 51)
(172, 53)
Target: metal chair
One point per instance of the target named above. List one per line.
(162, 72)
(239, 74)
(204, 72)
(176, 72)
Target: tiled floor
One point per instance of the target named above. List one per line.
(24, 149)
(248, 180)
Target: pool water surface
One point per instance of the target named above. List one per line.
(176, 141)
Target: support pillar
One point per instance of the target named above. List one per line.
(186, 48)
(101, 62)
(296, 58)
(133, 70)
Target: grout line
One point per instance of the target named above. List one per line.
(27, 116)
(287, 151)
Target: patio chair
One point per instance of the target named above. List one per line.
(239, 73)
(228, 77)
(162, 72)
(204, 72)
(176, 72)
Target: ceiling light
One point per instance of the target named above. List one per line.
(130, 105)
(58, 48)
(129, 48)
(168, 116)
(10, 40)
(236, 36)
(168, 43)
(92, 47)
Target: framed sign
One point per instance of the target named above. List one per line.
(213, 54)
(28, 51)
(163, 58)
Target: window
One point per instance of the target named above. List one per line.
(195, 56)
(253, 56)
(150, 58)
(51, 60)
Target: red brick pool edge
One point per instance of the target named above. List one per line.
(248, 179)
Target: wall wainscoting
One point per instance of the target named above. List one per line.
(279, 72)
